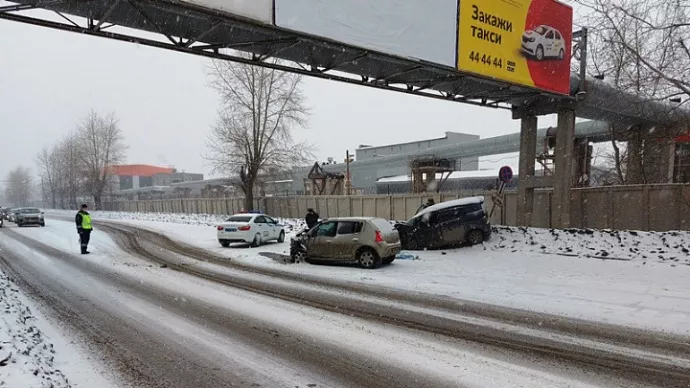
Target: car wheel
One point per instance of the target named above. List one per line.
(412, 244)
(388, 260)
(43, 225)
(299, 257)
(475, 237)
(225, 244)
(257, 241)
(368, 258)
(539, 53)
(281, 237)
(561, 54)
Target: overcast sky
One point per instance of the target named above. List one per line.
(49, 80)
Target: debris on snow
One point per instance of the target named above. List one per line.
(597, 244)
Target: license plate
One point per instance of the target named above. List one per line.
(230, 230)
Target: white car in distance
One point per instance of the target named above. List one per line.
(543, 42)
(253, 229)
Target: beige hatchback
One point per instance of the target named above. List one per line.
(366, 240)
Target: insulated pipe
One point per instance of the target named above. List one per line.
(600, 101)
(595, 130)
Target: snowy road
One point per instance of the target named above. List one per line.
(164, 314)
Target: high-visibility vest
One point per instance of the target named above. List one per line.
(86, 222)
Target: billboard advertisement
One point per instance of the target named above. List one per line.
(420, 29)
(524, 42)
(259, 10)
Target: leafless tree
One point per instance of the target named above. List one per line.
(253, 134)
(640, 47)
(643, 45)
(18, 186)
(71, 178)
(49, 171)
(99, 145)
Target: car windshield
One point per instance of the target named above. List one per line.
(541, 30)
(239, 219)
(30, 211)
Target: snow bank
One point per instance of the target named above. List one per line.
(669, 247)
(27, 357)
(176, 218)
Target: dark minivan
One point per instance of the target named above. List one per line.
(446, 224)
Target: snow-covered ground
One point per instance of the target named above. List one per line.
(420, 353)
(639, 279)
(33, 353)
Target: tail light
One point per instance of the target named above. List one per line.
(379, 236)
(244, 228)
(220, 227)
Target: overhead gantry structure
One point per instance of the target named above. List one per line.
(186, 27)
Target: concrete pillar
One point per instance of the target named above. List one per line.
(528, 148)
(634, 174)
(659, 155)
(565, 171)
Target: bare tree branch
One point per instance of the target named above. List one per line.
(100, 145)
(253, 134)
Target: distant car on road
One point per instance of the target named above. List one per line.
(450, 223)
(28, 216)
(365, 240)
(543, 42)
(5, 213)
(250, 228)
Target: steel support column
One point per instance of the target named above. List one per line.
(565, 169)
(528, 148)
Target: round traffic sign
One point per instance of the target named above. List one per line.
(505, 174)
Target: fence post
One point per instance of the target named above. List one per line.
(645, 207)
(612, 212)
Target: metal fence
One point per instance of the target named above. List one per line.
(641, 207)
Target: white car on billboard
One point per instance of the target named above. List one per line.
(250, 228)
(543, 42)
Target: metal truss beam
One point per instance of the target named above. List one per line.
(265, 50)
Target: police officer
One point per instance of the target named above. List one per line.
(84, 228)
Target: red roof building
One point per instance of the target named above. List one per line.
(141, 170)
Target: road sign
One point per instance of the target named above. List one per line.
(505, 174)
(524, 42)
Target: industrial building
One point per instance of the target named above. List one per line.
(137, 176)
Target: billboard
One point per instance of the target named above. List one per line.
(420, 29)
(259, 10)
(525, 42)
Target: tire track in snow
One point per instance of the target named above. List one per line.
(159, 249)
(613, 334)
(149, 360)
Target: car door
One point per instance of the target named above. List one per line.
(452, 229)
(347, 240)
(548, 50)
(262, 228)
(321, 240)
(272, 227)
(558, 44)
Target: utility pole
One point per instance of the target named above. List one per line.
(348, 181)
